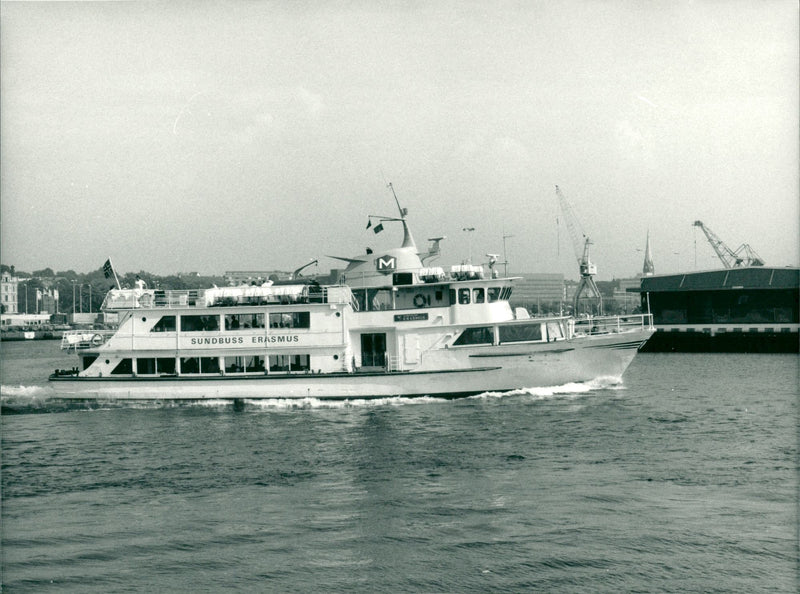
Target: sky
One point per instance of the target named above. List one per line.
(183, 136)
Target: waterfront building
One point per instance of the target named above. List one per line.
(539, 292)
(751, 309)
(8, 293)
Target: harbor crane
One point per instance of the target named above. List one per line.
(743, 257)
(581, 243)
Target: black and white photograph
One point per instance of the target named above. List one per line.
(400, 296)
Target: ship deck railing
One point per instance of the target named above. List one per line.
(593, 325)
(80, 340)
(126, 299)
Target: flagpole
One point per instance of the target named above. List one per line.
(114, 272)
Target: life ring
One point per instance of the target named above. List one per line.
(146, 300)
(97, 340)
(419, 300)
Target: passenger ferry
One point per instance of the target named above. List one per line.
(388, 326)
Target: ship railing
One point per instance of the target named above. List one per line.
(81, 340)
(126, 299)
(394, 364)
(594, 325)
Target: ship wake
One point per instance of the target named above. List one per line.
(40, 399)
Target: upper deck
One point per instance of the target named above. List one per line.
(126, 299)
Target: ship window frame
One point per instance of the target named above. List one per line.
(290, 319)
(403, 278)
(493, 294)
(289, 363)
(149, 363)
(124, 367)
(205, 365)
(203, 321)
(478, 295)
(518, 333)
(475, 336)
(464, 296)
(244, 321)
(242, 364)
(168, 362)
(160, 325)
(186, 362)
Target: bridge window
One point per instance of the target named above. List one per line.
(477, 295)
(244, 321)
(379, 299)
(293, 319)
(494, 294)
(521, 332)
(463, 296)
(165, 324)
(402, 278)
(199, 323)
(482, 335)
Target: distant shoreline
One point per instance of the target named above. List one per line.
(15, 335)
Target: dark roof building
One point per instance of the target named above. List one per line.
(742, 309)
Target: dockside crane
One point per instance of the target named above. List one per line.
(580, 243)
(743, 257)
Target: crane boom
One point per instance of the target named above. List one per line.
(580, 244)
(573, 226)
(743, 257)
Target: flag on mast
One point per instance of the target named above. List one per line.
(108, 272)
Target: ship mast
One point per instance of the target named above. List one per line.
(408, 240)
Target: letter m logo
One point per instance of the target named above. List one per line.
(386, 264)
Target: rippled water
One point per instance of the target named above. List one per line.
(682, 478)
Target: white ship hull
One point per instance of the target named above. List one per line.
(483, 369)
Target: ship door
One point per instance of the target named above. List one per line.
(373, 350)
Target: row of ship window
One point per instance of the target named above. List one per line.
(476, 295)
(511, 333)
(244, 321)
(198, 365)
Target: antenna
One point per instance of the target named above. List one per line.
(403, 211)
(505, 256)
(408, 240)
